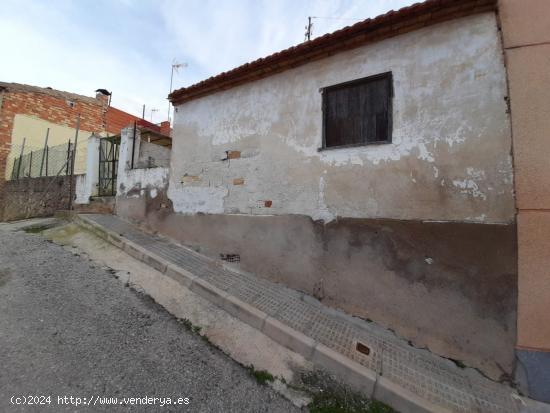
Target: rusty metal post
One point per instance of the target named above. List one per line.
(30, 166)
(133, 146)
(68, 157)
(21, 158)
(44, 151)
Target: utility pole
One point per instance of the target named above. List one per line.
(175, 66)
(309, 28)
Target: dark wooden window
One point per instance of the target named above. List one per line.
(358, 112)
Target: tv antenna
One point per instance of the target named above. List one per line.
(175, 66)
(309, 28)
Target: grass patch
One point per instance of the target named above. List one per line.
(331, 396)
(328, 402)
(189, 326)
(261, 376)
(36, 229)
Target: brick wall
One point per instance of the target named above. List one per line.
(58, 110)
(51, 108)
(57, 107)
(35, 197)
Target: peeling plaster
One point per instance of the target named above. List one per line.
(191, 200)
(450, 153)
(142, 180)
(322, 211)
(150, 178)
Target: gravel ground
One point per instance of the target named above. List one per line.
(69, 328)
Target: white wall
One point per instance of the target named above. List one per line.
(87, 184)
(449, 160)
(138, 181)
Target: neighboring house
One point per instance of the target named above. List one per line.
(26, 112)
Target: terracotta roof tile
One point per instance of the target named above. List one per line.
(118, 119)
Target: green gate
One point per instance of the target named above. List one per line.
(108, 165)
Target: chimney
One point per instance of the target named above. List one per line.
(165, 128)
(103, 95)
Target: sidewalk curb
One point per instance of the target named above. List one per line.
(403, 400)
(360, 378)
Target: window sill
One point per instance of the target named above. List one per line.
(355, 145)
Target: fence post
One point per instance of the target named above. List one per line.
(47, 156)
(44, 151)
(133, 145)
(30, 166)
(68, 157)
(21, 158)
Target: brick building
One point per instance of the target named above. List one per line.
(28, 111)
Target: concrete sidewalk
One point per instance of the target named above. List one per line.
(369, 358)
(71, 327)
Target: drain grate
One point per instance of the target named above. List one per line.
(230, 257)
(361, 348)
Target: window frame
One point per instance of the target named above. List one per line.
(385, 75)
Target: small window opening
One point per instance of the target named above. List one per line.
(358, 112)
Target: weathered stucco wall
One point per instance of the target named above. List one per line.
(449, 160)
(152, 155)
(451, 287)
(349, 225)
(139, 185)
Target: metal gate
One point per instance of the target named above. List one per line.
(108, 165)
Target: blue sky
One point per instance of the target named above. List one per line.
(128, 46)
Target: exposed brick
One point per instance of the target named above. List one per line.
(268, 204)
(233, 154)
(189, 179)
(238, 181)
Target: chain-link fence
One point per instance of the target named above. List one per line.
(26, 161)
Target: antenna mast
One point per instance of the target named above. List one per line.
(309, 28)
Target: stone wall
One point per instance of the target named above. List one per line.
(34, 197)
